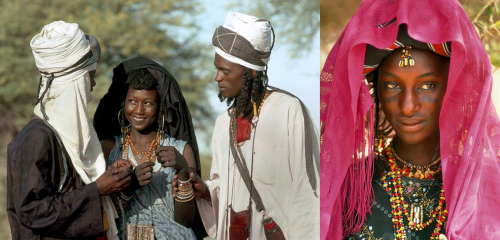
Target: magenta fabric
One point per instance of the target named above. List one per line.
(469, 124)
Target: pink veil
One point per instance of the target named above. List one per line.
(469, 125)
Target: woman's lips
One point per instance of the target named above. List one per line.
(411, 126)
(138, 120)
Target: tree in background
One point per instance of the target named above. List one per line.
(486, 18)
(163, 30)
(159, 29)
(298, 21)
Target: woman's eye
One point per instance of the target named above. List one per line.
(392, 85)
(428, 86)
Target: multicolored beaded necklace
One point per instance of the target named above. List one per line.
(391, 181)
(149, 154)
(420, 172)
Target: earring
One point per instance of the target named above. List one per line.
(161, 130)
(163, 123)
(123, 129)
(119, 119)
(380, 141)
(382, 131)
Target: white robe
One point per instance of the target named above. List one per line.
(279, 174)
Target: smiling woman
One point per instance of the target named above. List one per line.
(158, 140)
(141, 106)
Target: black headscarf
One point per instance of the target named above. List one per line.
(177, 119)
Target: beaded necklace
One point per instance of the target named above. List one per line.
(391, 181)
(133, 230)
(420, 172)
(150, 153)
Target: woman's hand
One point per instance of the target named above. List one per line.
(143, 173)
(199, 187)
(170, 157)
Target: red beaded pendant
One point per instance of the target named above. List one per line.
(244, 128)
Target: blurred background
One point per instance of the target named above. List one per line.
(484, 14)
(175, 33)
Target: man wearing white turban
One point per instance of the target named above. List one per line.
(58, 185)
(264, 176)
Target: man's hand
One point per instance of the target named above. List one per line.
(122, 165)
(170, 157)
(143, 173)
(199, 187)
(112, 180)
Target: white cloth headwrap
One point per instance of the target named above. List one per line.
(256, 31)
(58, 46)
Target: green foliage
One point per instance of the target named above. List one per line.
(295, 22)
(162, 30)
(159, 29)
(487, 23)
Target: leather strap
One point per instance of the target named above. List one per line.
(241, 163)
(243, 169)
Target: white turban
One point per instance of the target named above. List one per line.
(257, 32)
(63, 51)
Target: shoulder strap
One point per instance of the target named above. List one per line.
(243, 169)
